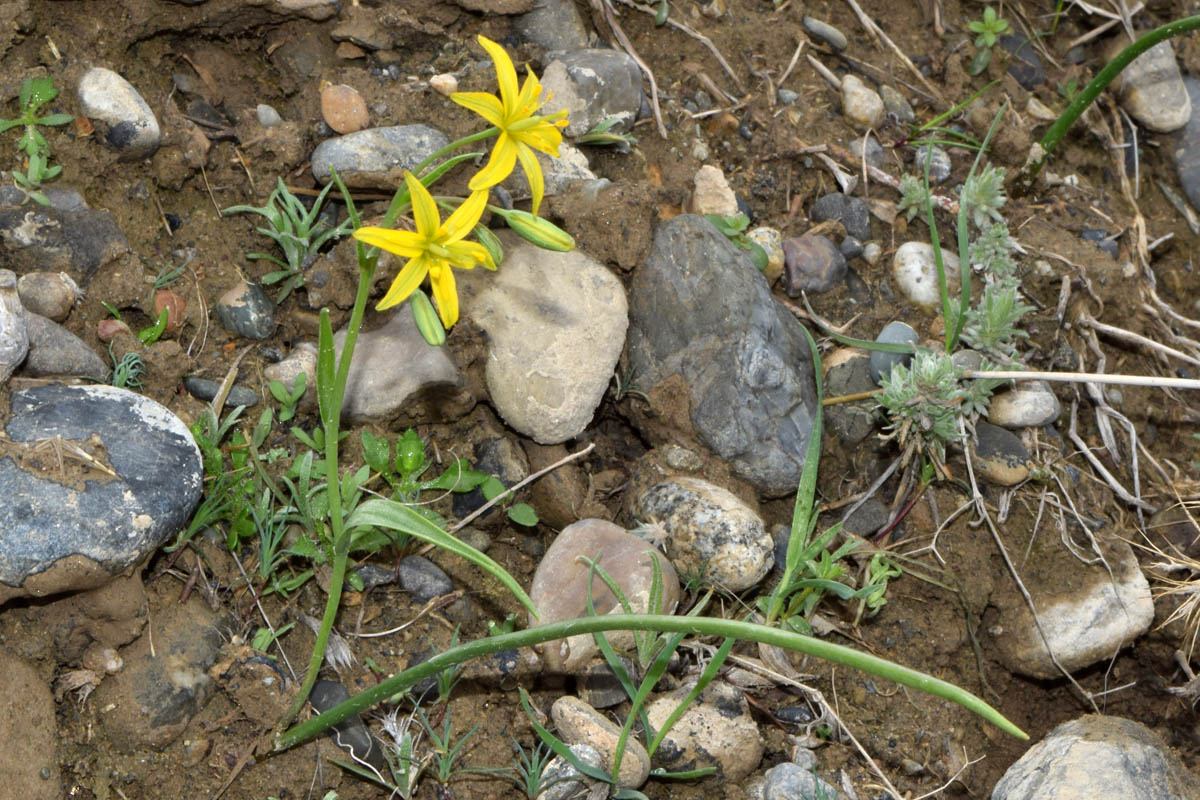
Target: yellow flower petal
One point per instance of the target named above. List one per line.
(441, 277)
(465, 255)
(403, 243)
(485, 105)
(424, 210)
(406, 282)
(464, 218)
(546, 138)
(533, 171)
(506, 75)
(504, 158)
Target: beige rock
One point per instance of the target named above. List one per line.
(771, 241)
(444, 84)
(711, 193)
(559, 588)
(715, 731)
(579, 723)
(343, 108)
(51, 294)
(861, 105)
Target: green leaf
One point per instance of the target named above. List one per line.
(395, 516)
(55, 119)
(757, 255)
(492, 487)
(458, 478)
(983, 57)
(149, 336)
(523, 514)
(376, 452)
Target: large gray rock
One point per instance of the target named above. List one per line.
(701, 311)
(132, 129)
(555, 323)
(1186, 147)
(1151, 88)
(377, 157)
(552, 25)
(76, 241)
(54, 351)
(1098, 756)
(593, 85)
(78, 525)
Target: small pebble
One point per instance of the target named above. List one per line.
(872, 150)
(444, 84)
(861, 104)
(998, 455)
(579, 723)
(824, 32)
(851, 248)
(872, 252)
(811, 264)
(422, 579)
(893, 333)
(205, 389)
(247, 311)
(132, 127)
(787, 97)
(939, 164)
(1101, 239)
(914, 269)
(711, 193)
(1029, 404)
(771, 241)
(896, 105)
(268, 117)
(51, 294)
(344, 109)
(853, 212)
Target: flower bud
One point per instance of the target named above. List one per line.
(542, 232)
(428, 322)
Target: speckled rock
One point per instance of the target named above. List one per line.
(1098, 756)
(376, 158)
(50, 294)
(14, 332)
(563, 781)
(711, 193)
(998, 455)
(940, 165)
(771, 241)
(914, 270)
(861, 105)
(64, 534)
(559, 587)
(707, 529)
(1087, 613)
(132, 129)
(715, 731)
(343, 108)
(555, 324)
(593, 85)
(1029, 404)
(78, 241)
(1151, 88)
(579, 723)
(396, 371)
(792, 781)
(849, 372)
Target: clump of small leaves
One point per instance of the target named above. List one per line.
(35, 93)
(913, 196)
(991, 326)
(734, 229)
(128, 370)
(983, 193)
(988, 29)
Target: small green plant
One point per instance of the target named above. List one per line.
(988, 29)
(446, 750)
(168, 276)
(914, 194)
(1069, 90)
(299, 232)
(400, 751)
(602, 134)
(35, 93)
(265, 637)
(128, 371)
(734, 229)
(529, 767)
(288, 398)
(448, 678)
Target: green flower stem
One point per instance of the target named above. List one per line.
(694, 626)
(1098, 84)
(338, 532)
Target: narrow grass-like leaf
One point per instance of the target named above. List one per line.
(710, 672)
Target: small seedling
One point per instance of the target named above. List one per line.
(989, 28)
(288, 398)
(128, 371)
(734, 229)
(35, 93)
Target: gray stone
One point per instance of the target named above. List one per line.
(376, 158)
(1185, 149)
(893, 333)
(897, 105)
(850, 248)
(873, 150)
(563, 781)
(552, 25)
(579, 723)
(78, 242)
(14, 326)
(1023, 61)
(706, 530)
(868, 518)
(1098, 756)
(939, 163)
(824, 32)
(247, 310)
(853, 212)
(268, 117)
(29, 768)
(914, 269)
(1152, 89)
(205, 389)
(861, 105)
(850, 374)
(302, 359)
(598, 686)
(811, 264)
(395, 370)
(56, 352)
(593, 85)
(787, 97)
(165, 681)
(556, 323)
(1102, 240)
(716, 730)
(63, 533)
(422, 579)
(132, 129)
(1029, 404)
(558, 174)
(50, 294)
(559, 588)
(789, 781)
(350, 734)
(998, 455)
(1086, 612)
(701, 311)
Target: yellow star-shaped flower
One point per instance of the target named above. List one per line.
(432, 249)
(521, 130)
